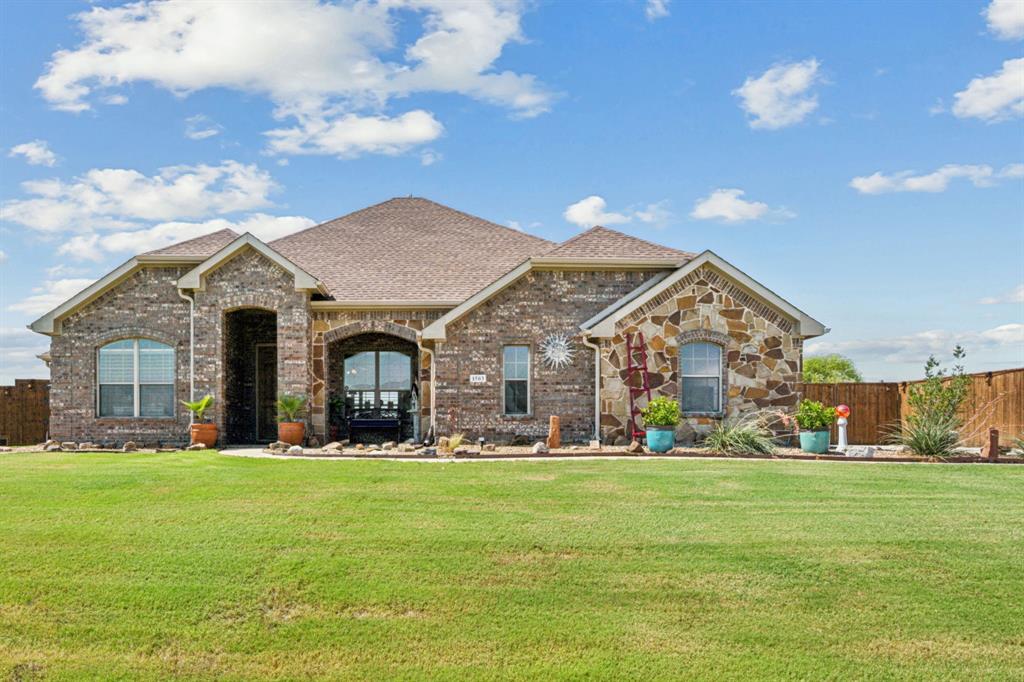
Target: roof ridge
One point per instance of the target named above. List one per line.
(645, 241)
(189, 241)
(476, 217)
(575, 237)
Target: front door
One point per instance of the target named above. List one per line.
(266, 391)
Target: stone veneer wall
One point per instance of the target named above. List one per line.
(333, 326)
(250, 280)
(538, 304)
(145, 305)
(762, 354)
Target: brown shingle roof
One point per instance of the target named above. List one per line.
(200, 247)
(601, 242)
(408, 249)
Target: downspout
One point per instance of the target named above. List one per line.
(191, 348)
(597, 384)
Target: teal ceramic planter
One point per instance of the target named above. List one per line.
(661, 438)
(814, 441)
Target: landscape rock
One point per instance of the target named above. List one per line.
(53, 448)
(4, 448)
(373, 447)
(344, 443)
(443, 443)
(295, 450)
(48, 443)
(407, 447)
(196, 446)
(313, 442)
(540, 448)
(87, 446)
(489, 447)
(635, 448)
(335, 445)
(129, 446)
(388, 445)
(360, 446)
(69, 445)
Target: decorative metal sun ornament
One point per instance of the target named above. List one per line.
(556, 350)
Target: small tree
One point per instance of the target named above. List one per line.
(830, 369)
(933, 424)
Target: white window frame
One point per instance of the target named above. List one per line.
(135, 383)
(718, 377)
(529, 380)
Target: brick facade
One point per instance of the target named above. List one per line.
(145, 305)
(761, 350)
(537, 305)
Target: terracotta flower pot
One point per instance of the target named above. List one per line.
(292, 433)
(205, 433)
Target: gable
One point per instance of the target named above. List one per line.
(751, 293)
(196, 278)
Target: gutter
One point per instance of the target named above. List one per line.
(597, 384)
(191, 347)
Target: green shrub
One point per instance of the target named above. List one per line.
(455, 440)
(745, 435)
(935, 436)
(199, 407)
(933, 422)
(289, 407)
(813, 416)
(661, 411)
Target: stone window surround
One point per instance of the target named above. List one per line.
(529, 380)
(705, 336)
(120, 335)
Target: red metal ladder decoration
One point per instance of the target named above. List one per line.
(635, 345)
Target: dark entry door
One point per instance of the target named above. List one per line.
(266, 392)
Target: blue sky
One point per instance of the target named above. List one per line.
(865, 160)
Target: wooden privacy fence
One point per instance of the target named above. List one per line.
(25, 411)
(994, 399)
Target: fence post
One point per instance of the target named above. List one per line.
(991, 449)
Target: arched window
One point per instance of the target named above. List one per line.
(701, 365)
(135, 379)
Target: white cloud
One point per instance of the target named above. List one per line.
(1016, 295)
(994, 98)
(937, 181)
(3, 257)
(36, 153)
(657, 214)
(50, 295)
(780, 96)
(917, 347)
(18, 350)
(591, 211)
(728, 205)
(340, 67)
(428, 157)
(114, 198)
(350, 135)
(200, 127)
(656, 9)
(96, 247)
(1005, 19)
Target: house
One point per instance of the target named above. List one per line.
(408, 318)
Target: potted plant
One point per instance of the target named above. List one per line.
(815, 421)
(661, 417)
(201, 430)
(289, 429)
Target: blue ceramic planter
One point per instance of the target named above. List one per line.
(814, 441)
(661, 438)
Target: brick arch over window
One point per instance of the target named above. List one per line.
(371, 327)
(724, 341)
(133, 332)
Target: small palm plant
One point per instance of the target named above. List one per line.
(289, 407)
(199, 407)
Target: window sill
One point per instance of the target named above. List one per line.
(712, 415)
(135, 419)
(516, 417)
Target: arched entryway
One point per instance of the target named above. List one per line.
(250, 376)
(372, 387)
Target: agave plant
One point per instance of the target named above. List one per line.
(289, 407)
(933, 435)
(199, 407)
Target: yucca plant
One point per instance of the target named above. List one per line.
(748, 434)
(199, 407)
(455, 440)
(933, 435)
(289, 407)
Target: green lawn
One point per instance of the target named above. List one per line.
(202, 566)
